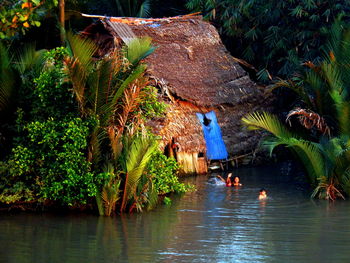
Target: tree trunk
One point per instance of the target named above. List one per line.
(61, 20)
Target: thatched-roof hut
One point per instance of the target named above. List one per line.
(194, 73)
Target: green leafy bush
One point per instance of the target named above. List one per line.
(50, 156)
(55, 158)
(163, 171)
(150, 106)
(19, 16)
(18, 192)
(75, 114)
(167, 200)
(52, 94)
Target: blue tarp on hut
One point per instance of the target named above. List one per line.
(216, 149)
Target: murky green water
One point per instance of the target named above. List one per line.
(214, 224)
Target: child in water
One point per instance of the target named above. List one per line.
(229, 182)
(236, 181)
(262, 194)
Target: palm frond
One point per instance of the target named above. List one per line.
(316, 89)
(307, 151)
(97, 136)
(335, 37)
(109, 108)
(145, 9)
(138, 49)
(271, 142)
(309, 154)
(82, 49)
(115, 142)
(311, 157)
(345, 181)
(296, 87)
(100, 85)
(266, 121)
(28, 58)
(120, 8)
(343, 112)
(133, 8)
(7, 80)
(137, 157)
(79, 64)
(309, 120)
(108, 196)
(333, 78)
(152, 195)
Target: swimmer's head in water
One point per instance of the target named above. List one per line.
(236, 179)
(262, 191)
(229, 175)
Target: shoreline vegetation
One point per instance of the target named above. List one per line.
(80, 135)
(319, 124)
(73, 128)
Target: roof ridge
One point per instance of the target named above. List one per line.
(139, 21)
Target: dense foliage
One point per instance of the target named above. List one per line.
(52, 140)
(324, 113)
(79, 131)
(275, 36)
(20, 16)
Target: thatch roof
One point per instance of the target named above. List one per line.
(193, 68)
(190, 59)
(181, 123)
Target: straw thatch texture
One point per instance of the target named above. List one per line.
(182, 124)
(192, 60)
(193, 68)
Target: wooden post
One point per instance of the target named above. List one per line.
(61, 19)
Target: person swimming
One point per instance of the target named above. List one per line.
(262, 194)
(236, 181)
(228, 180)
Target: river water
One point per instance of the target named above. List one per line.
(213, 224)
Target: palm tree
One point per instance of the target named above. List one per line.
(107, 90)
(324, 90)
(109, 194)
(138, 188)
(307, 151)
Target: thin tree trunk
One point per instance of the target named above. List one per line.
(61, 19)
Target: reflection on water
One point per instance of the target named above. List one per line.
(214, 224)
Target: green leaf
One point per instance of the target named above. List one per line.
(36, 2)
